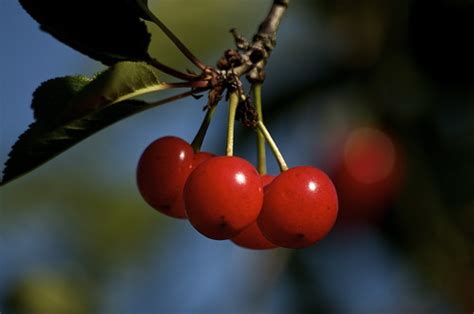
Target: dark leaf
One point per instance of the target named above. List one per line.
(106, 30)
(142, 9)
(41, 142)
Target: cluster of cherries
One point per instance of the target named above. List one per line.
(224, 197)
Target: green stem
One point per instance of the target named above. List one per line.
(262, 158)
(279, 157)
(233, 103)
(199, 138)
(186, 52)
(166, 100)
(173, 72)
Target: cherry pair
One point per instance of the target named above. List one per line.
(225, 198)
(300, 207)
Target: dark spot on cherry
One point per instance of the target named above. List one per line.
(166, 207)
(223, 223)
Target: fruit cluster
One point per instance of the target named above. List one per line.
(224, 197)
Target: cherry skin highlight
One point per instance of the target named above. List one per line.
(223, 195)
(251, 237)
(161, 173)
(300, 208)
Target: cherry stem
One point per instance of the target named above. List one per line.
(178, 43)
(262, 157)
(233, 103)
(199, 138)
(194, 84)
(279, 157)
(169, 99)
(171, 71)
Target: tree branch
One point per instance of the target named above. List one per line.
(264, 41)
(270, 25)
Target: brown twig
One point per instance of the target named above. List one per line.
(250, 59)
(265, 39)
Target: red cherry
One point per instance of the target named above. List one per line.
(223, 195)
(161, 173)
(266, 180)
(201, 157)
(369, 155)
(300, 208)
(251, 237)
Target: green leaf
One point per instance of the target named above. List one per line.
(70, 109)
(51, 96)
(122, 81)
(106, 30)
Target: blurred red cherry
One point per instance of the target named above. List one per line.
(367, 174)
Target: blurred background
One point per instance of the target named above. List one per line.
(380, 94)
